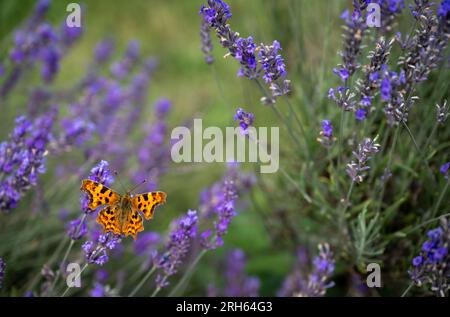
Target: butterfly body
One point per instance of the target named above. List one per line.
(121, 213)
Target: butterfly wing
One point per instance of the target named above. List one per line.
(133, 223)
(108, 217)
(99, 194)
(147, 202)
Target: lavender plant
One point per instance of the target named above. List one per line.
(69, 114)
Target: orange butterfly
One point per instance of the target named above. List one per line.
(121, 215)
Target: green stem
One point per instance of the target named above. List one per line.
(407, 289)
(279, 115)
(302, 129)
(343, 227)
(187, 274)
(391, 153)
(421, 156)
(66, 255)
(143, 281)
(341, 133)
(441, 196)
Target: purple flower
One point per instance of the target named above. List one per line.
(386, 89)
(360, 114)
(246, 119)
(444, 10)
(342, 73)
(22, 158)
(217, 13)
(122, 68)
(444, 169)
(237, 283)
(431, 265)
(357, 169)
(245, 54)
(69, 35)
(76, 230)
(98, 290)
(417, 260)
(101, 275)
(162, 108)
(178, 246)
(326, 137)
(153, 163)
(146, 243)
(327, 128)
(103, 51)
(96, 252)
(224, 208)
(366, 101)
(316, 283)
(268, 60)
(75, 132)
(205, 35)
(271, 62)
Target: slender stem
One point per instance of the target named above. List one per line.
(343, 227)
(38, 276)
(391, 152)
(143, 281)
(427, 143)
(302, 129)
(66, 255)
(187, 274)
(279, 115)
(427, 223)
(421, 156)
(441, 196)
(58, 272)
(407, 289)
(334, 172)
(156, 291)
(341, 133)
(304, 194)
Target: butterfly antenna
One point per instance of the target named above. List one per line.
(120, 182)
(135, 187)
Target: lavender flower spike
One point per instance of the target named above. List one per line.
(442, 113)
(318, 281)
(22, 158)
(96, 252)
(245, 120)
(326, 137)
(180, 239)
(238, 284)
(298, 283)
(431, 267)
(356, 169)
(205, 34)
